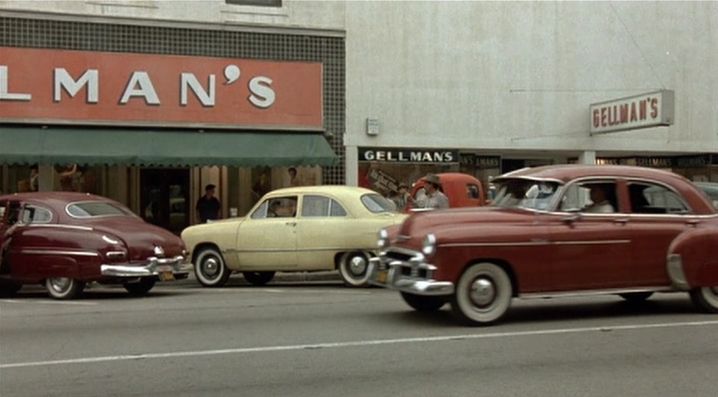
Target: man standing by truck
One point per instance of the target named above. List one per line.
(435, 198)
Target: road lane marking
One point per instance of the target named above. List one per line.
(48, 302)
(335, 345)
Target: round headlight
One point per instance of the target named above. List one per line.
(383, 239)
(428, 248)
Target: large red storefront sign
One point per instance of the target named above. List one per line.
(56, 86)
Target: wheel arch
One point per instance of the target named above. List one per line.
(201, 246)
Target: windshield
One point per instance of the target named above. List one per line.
(525, 193)
(377, 204)
(89, 209)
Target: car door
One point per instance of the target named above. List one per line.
(590, 250)
(657, 215)
(267, 239)
(323, 229)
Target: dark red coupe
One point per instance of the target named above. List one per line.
(65, 240)
(557, 231)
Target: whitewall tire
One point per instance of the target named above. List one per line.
(64, 287)
(354, 268)
(483, 294)
(210, 269)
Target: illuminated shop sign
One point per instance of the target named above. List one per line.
(57, 86)
(404, 155)
(640, 111)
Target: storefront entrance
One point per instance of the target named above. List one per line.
(164, 197)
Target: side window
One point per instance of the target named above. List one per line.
(32, 214)
(277, 207)
(472, 191)
(590, 197)
(649, 198)
(313, 206)
(336, 209)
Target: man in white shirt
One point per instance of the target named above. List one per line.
(600, 203)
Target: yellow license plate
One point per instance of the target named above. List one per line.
(381, 276)
(166, 276)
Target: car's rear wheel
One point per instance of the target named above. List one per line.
(705, 299)
(210, 269)
(141, 287)
(258, 278)
(9, 288)
(64, 287)
(483, 294)
(636, 297)
(353, 268)
(423, 303)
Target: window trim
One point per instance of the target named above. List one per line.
(691, 211)
(67, 211)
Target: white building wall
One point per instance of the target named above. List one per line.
(521, 76)
(325, 15)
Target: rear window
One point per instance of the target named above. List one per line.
(90, 209)
(376, 203)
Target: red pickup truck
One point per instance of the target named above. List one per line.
(462, 190)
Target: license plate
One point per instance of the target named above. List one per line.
(166, 276)
(381, 276)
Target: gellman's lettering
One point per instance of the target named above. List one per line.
(408, 155)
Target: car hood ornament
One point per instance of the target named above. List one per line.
(158, 251)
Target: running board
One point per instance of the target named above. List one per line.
(593, 292)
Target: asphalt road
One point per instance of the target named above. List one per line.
(321, 339)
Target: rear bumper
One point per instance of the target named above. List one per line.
(178, 266)
(412, 276)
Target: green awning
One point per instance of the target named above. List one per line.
(161, 148)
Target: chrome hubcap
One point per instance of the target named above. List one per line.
(357, 265)
(60, 284)
(210, 267)
(483, 292)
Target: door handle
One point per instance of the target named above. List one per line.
(692, 222)
(622, 221)
(291, 223)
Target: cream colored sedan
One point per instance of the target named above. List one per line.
(294, 229)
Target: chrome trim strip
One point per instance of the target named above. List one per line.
(535, 243)
(58, 252)
(592, 292)
(57, 225)
(265, 250)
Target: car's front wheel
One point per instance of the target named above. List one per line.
(483, 294)
(210, 269)
(258, 278)
(140, 288)
(64, 287)
(705, 299)
(423, 303)
(353, 267)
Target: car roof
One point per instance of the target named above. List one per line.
(65, 197)
(566, 172)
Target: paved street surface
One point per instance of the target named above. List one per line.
(312, 339)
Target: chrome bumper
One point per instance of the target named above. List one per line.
(153, 267)
(412, 276)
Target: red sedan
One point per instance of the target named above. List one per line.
(65, 240)
(557, 231)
